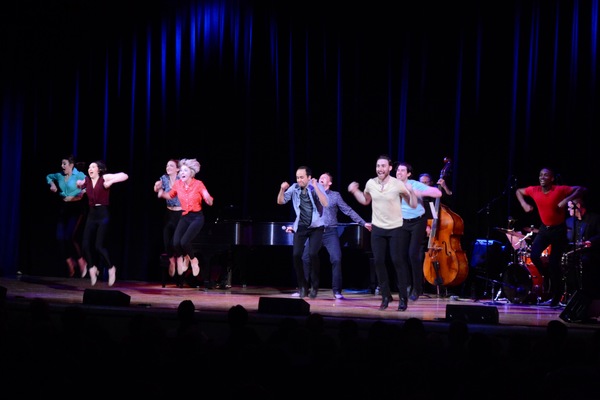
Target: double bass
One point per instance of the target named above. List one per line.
(445, 262)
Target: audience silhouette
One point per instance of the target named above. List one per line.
(404, 359)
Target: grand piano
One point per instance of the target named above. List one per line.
(259, 253)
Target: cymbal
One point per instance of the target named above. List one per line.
(528, 229)
(511, 232)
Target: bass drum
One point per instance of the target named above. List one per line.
(523, 284)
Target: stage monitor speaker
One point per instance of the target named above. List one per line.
(580, 308)
(106, 298)
(282, 306)
(472, 314)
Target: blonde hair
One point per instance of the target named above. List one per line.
(191, 163)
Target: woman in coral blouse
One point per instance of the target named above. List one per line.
(192, 194)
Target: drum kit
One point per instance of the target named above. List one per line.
(522, 282)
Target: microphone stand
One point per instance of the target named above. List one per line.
(486, 209)
(487, 242)
(487, 278)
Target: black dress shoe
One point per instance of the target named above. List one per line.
(313, 293)
(402, 304)
(302, 293)
(413, 295)
(385, 302)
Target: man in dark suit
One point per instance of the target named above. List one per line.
(581, 262)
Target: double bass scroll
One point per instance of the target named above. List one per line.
(445, 261)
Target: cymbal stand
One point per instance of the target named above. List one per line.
(564, 262)
(524, 238)
(567, 265)
(579, 266)
(518, 247)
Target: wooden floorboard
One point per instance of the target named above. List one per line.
(359, 305)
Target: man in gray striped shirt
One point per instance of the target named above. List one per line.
(331, 241)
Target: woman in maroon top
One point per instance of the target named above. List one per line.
(191, 193)
(97, 186)
(551, 201)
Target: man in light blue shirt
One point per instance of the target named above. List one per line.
(414, 230)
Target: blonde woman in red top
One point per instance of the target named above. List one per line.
(192, 194)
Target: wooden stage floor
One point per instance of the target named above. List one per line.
(213, 304)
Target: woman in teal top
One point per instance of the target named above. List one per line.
(70, 214)
(173, 214)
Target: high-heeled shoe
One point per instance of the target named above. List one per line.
(181, 265)
(171, 266)
(303, 292)
(402, 304)
(93, 275)
(82, 267)
(112, 275)
(71, 267)
(195, 266)
(385, 302)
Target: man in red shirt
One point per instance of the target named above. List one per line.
(551, 202)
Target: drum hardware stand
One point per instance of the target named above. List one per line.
(516, 260)
(565, 269)
(524, 237)
(579, 270)
(579, 266)
(495, 297)
(497, 294)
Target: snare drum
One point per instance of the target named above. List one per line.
(523, 283)
(525, 256)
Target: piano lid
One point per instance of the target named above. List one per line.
(248, 233)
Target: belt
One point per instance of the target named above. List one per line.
(548, 227)
(412, 219)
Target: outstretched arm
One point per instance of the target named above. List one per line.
(429, 192)
(109, 179)
(411, 196)
(442, 183)
(577, 192)
(346, 209)
(361, 197)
